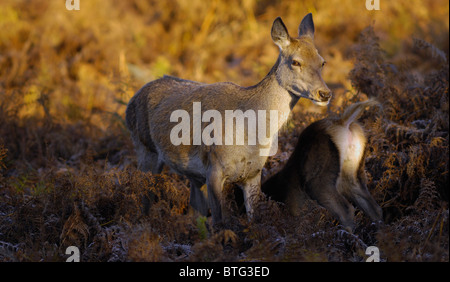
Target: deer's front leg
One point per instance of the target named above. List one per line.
(252, 193)
(214, 183)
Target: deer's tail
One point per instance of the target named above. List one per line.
(353, 112)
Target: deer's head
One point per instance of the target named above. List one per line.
(300, 65)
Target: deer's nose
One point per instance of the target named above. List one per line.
(325, 94)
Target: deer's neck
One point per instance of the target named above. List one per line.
(270, 95)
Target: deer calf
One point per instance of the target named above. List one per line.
(327, 165)
(150, 117)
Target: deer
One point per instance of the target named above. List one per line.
(327, 165)
(296, 74)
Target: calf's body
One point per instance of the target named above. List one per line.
(327, 165)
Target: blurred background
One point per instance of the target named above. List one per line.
(79, 65)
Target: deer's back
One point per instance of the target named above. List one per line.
(149, 112)
(315, 156)
(320, 156)
(141, 105)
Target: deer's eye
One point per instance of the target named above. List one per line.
(296, 63)
(323, 64)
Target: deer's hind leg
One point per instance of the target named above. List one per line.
(325, 193)
(198, 198)
(148, 159)
(355, 190)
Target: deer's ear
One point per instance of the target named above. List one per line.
(306, 26)
(280, 35)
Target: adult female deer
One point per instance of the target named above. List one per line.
(328, 166)
(297, 73)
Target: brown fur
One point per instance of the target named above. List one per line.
(322, 169)
(148, 115)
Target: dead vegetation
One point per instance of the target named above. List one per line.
(68, 173)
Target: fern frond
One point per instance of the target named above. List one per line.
(435, 52)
